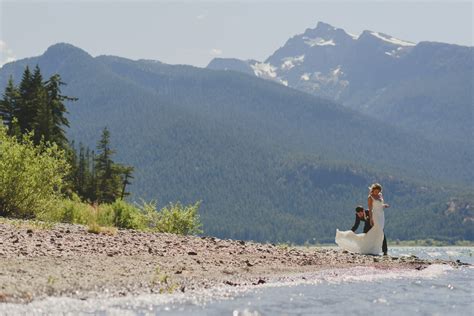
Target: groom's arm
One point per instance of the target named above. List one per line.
(356, 224)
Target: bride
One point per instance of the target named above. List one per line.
(370, 242)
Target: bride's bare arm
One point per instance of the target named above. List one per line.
(385, 205)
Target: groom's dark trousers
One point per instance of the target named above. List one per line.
(367, 227)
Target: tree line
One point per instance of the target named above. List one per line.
(36, 107)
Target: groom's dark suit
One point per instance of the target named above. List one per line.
(367, 227)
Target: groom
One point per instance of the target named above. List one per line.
(363, 215)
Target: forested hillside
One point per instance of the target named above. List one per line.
(268, 162)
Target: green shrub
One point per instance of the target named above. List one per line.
(31, 177)
(118, 214)
(71, 211)
(95, 228)
(104, 215)
(174, 218)
(127, 215)
(150, 214)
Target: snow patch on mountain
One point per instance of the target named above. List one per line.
(264, 70)
(290, 62)
(305, 76)
(398, 52)
(331, 83)
(318, 41)
(337, 70)
(352, 35)
(333, 76)
(392, 40)
(268, 71)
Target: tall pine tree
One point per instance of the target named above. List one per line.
(126, 175)
(108, 181)
(34, 99)
(58, 110)
(41, 107)
(26, 111)
(42, 124)
(111, 178)
(9, 106)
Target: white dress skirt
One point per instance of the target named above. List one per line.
(365, 243)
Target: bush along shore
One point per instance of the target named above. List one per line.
(38, 260)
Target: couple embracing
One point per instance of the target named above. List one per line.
(372, 241)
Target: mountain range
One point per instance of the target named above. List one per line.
(268, 162)
(424, 88)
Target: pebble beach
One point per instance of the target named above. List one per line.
(68, 261)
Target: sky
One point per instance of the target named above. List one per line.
(194, 32)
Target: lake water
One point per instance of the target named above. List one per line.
(436, 290)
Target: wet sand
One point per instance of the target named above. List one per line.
(66, 260)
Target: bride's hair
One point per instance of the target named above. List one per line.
(375, 186)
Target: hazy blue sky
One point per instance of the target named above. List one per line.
(193, 32)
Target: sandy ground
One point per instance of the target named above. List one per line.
(66, 260)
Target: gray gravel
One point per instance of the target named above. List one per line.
(66, 260)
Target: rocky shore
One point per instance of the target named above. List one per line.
(67, 260)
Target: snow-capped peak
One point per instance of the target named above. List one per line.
(326, 35)
(323, 30)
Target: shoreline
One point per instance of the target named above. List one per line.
(66, 260)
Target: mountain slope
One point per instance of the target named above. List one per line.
(262, 157)
(390, 79)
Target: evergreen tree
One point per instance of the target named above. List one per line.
(126, 175)
(42, 123)
(41, 107)
(33, 109)
(91, 178)
(57, 110)
(81, 172)
(25, 109)
(110, 178)
(108, 181)
(82, 180)
(9, 105)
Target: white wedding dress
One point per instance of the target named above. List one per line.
(369, 243)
